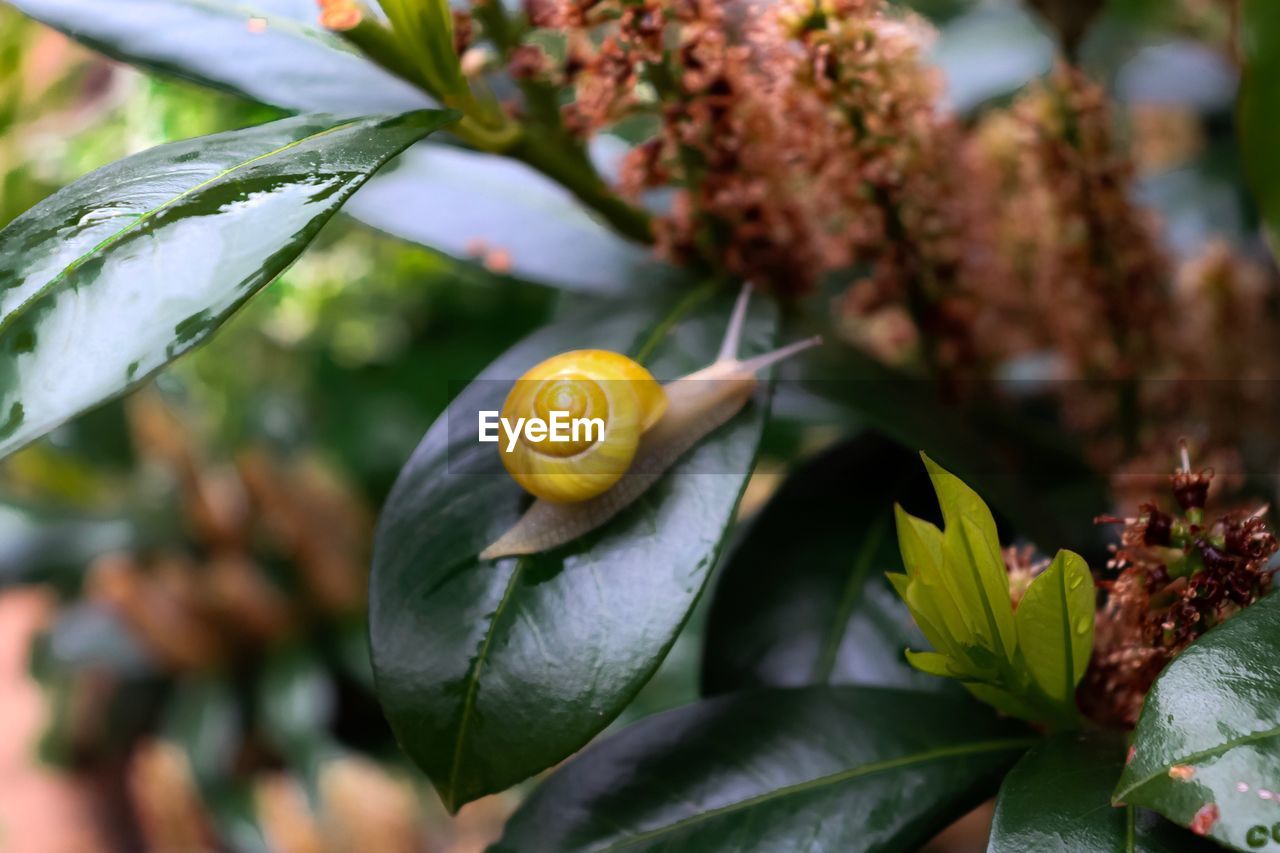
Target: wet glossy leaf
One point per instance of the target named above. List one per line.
(475, 205)
(1207, 746)
(818, 768)
(255, 49)
(463, 203)
(491, 671)
(802, 598)
(1057, 799)
(116, 275)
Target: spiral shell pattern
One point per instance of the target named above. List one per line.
(582, 384)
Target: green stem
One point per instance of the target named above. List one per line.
(376, 41)
(568, 165)
(543, 144)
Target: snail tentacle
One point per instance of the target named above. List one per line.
(732, 342)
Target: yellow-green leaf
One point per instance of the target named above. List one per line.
(933, 664)
(921, 544)
(972, 549)
(1004, 701)
(1055, 626)
(426, 29)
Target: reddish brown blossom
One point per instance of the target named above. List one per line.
(1173, 576)
(1084, 275)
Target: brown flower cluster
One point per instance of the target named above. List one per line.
(799, 141)
(806, 140)
(1080, 270)
(197, 608)
(1173, 576)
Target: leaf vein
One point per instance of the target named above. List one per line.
(1195, 758)
(940, 753)
(473, 680)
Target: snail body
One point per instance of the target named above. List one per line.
(580, 490)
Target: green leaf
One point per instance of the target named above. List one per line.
(1055, 626)
(246, 48)
(945, 611)
(1259, 107)
(427, 26)
(933, 663)
(1025, 667)
(466, 203)
(1026, 467)
(491, 671)
(802, 597)
(971, 548)
(818, 768)
(1208, 741)
(1057, 799)
(138, 262)
(1004, 701)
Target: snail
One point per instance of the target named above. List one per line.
(581, 483)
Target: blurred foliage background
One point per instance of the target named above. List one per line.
(189, 563)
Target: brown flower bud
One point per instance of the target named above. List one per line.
(1191, 488)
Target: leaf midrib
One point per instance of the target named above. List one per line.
(1067, 640)
(937, 754)
(651, 341)
(1195, 758)
(849, 599)
(44, 289)
(473, 682)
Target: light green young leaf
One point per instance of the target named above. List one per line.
(921, 544)
(1055, 626)
(426, 28)
(972, 549)
(933, 663)
(923, 612)
(1003, 701)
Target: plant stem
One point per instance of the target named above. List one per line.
(542, 144)
(569, 166)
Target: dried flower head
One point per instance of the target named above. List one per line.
(1172, 577)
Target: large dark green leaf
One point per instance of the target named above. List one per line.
(492, 671)
(116, 275)
(1057, 798)
(255, 49)
(1207, 746)
(1259, 108)
(802, 598)
(470, 204)
(1026, 468)
(818, 768)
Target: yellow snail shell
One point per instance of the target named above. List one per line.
(582, 384)
(668, 420)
